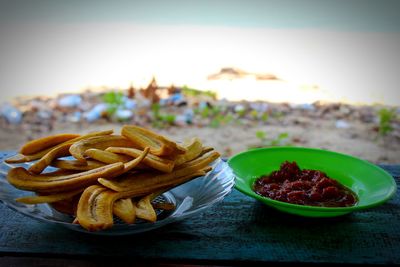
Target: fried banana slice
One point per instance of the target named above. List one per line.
(161, 164)
(140, 185)
(49, 198)
(40, 144)
(163, 206)
(95, 208)
(193, 150)
(131, 164)
(144, 209)
(101, 142)
(109, 157)
(106, 156)
(201, 160)
(125, 210)
(67, 206)
(150, 182)
(77, 165)
(159, 145)
(206, 149)
(19, 158)
(58, 172)
(22, 179)
(40, 165)
(135, 162)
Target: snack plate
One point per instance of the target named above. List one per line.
(189, 199)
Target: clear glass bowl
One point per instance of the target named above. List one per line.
(189, 199)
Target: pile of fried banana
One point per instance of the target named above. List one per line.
(110, 174)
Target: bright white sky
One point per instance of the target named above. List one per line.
(351, 51)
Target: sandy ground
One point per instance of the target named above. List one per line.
(359, 139)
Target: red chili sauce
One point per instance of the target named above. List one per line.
(304, 187)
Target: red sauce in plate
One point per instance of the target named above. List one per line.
(304, 187)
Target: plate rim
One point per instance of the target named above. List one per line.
(227, 188)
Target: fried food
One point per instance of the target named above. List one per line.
(97, 205)
(106, 156)
(111, 175)
(141, 184)
(63, 150)
(76, 165)
(163, 206)
(125, 210)
(67, 206)
(109, 157)
(59, 151)
(49, 198)
(206, 149)
(78, 149)
(20, 158)
(201, 161)
(193, 150)
(159, 145)
(22, 179)
(40, 144)
(135, 162)
(95, 208)
(155, 162)
(144, 209)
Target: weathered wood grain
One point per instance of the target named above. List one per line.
(239, 230)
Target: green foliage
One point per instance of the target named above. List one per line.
(217, 114)
(261, 135)
(265, 117)
(254, 114)
(278, 115)
(155, 108)
(208, 112)
(221, 119)
(386, 117)
(195, 93)
(114, 100)
(205, 112)
(168, 118)
(241, 113)
(161, 120)
(281, 140)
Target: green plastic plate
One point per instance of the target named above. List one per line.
(372, 184)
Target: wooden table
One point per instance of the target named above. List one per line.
(237, 231)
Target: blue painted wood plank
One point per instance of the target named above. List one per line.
(239, 229)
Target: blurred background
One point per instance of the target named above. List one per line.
(239, 74)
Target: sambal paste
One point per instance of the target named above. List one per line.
(305, 187)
